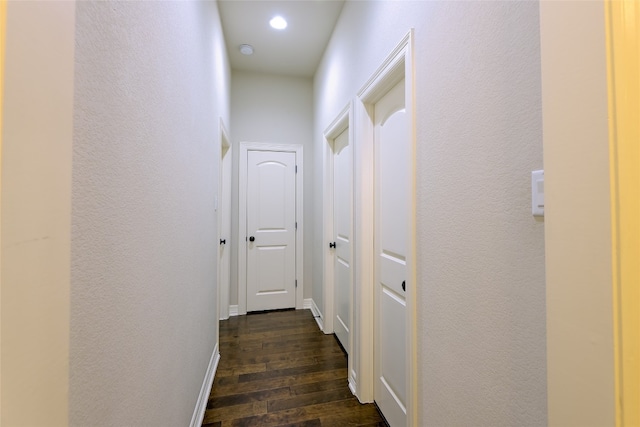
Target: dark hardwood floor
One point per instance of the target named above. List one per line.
(279, 369)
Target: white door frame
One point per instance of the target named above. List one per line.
(337, 126)
(245, 147)
(398, 65)
(224, 217)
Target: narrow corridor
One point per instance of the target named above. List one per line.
(279, 369)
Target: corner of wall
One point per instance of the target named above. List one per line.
(580, 369)
(36, 147)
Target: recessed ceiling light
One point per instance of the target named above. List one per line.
(278, 22)
(246, 49)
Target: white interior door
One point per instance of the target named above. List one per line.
(392, 198)
(271, 230)
(342, 236)
(224, 216)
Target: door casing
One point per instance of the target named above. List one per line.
(245, 147)
(398, 65)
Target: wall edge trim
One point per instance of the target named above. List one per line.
(205, 389)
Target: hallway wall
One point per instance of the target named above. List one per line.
(277, 110)
(480, 253)
(151, 82)
(37, 137)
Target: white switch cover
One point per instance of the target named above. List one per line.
(537, 193)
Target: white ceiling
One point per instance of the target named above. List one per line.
(294, 51)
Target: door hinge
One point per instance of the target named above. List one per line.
(296, 168)
(296, 225)
(296, 283)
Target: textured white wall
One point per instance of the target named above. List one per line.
(480, 253)
(277, 110)
(151, 82)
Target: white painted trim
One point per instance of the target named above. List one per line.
(388, 74)
(306, 304)
(233, 310)
(245, 147)
(364, 241)
(317, 314)
(314, 309)
(363, 253)
(352, 387)
(398, 65)
(205, 390)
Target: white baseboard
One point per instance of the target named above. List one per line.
(352, 387)
(201, 404)
(233, 310)
(306, 303)
(316, 313)
(314, 308)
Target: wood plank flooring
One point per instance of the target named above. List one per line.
(278, 369)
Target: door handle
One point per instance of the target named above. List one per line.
(403, 286)
(332, 245)
(223, 241)
(251, 239)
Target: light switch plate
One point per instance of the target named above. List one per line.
(537, 193)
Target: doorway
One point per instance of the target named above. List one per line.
(224, 222)
(270, 229)
(338, 231)
(342, 237)
(385, 249)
